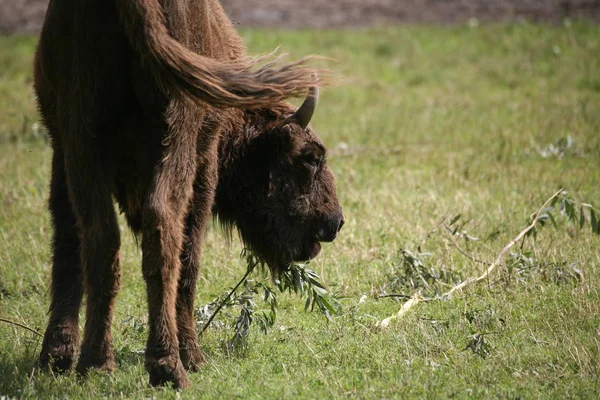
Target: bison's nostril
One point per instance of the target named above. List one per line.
(341, 224)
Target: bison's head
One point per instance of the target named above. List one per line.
(275, 185)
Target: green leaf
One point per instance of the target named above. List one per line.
(569, 210)
(552, 220)
(308, 301)
(298, 282)
(317, 284)
(332, 305)
(542, 217)
(581, 218)
(455, 219)
(320, 291)
(546, 210)
(594, 222)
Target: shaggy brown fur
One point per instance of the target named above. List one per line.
(126, 89)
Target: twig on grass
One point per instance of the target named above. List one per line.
(226, 299)
(464, 253)
(498, 259)
(401, 296)
(21, 326)
(418, 298)
(414, 300)
(428, 234)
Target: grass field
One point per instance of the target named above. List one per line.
(428, 123)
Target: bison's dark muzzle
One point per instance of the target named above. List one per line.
(330, 227)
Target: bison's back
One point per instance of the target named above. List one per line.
(204, 28)
(82, 62)
(84, 54)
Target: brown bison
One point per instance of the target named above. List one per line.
(155, 103)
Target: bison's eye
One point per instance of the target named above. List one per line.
(314, 160)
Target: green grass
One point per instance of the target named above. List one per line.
(428, 122)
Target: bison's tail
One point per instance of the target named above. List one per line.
(227, 84)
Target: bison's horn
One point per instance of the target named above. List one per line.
(306, 111)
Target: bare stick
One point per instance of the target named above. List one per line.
(428, 234)
(498, 259)
(414, 300)
(21, 326)
(401, 296)
(418, 298)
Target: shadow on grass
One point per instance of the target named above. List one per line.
(127, 357)
(17, 366)
(21, 377)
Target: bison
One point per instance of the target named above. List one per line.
(155, 103)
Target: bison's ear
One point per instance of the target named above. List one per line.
(282, 140)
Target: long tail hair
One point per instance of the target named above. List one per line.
(176, 69)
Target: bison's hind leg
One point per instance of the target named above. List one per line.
(61, 340)
(89, 178)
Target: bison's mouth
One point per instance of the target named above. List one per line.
(308, 252)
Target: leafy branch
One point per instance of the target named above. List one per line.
(296, 279)
(566, 207)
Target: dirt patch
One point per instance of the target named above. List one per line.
(28, 15)
(360, 13)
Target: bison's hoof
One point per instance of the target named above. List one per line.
(191, 356)
(166, 370)
(104, 363)
(58, 349)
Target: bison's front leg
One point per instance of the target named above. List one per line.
(200, 211)
(189, 349)
(163, 232)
